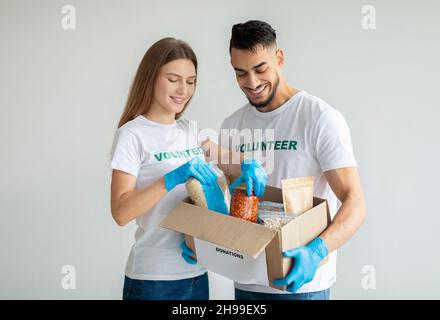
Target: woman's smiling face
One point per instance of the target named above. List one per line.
(175, 85)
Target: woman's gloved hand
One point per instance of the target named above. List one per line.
(196, 168)
(187, 253)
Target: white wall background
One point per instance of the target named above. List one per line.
(62, 92)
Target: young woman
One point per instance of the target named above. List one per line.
(155, 152)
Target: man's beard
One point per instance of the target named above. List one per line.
(268, 100)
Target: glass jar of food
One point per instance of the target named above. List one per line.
(244, 206)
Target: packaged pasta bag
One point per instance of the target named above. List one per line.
(297, 195)
(216, 197)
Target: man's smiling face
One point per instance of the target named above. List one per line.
(257, 73)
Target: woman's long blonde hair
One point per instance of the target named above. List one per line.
(160, 53)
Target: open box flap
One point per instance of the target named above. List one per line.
(230, 232)
(304, 228)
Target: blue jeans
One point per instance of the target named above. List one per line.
(185, 289)
(249, 295)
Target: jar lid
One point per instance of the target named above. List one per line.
(241, 186)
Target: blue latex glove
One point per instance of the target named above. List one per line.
(215, 199)
(254, 175)
(306, 262)
(187, 253)
(196, 168)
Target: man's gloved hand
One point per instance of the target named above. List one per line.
(306, 262)
(187, 253)
(254, 175)
(196, 168)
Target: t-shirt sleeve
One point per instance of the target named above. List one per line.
(333, 142)
(126, 153)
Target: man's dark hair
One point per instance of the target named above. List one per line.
(248, 35)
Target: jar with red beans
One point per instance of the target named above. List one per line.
(244, 206)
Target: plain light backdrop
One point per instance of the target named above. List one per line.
(62, 93)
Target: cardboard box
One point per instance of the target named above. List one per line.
(243, 251)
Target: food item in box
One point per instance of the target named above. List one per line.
(297, 194)
(244, 206)
(272, 215)
(275, 222)
(270, 206)
(215, 197)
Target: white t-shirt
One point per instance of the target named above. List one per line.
(148, 150)
(309, 137)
